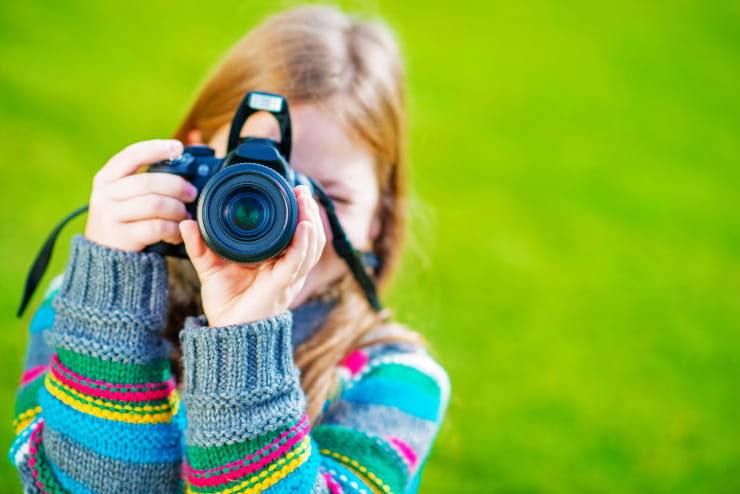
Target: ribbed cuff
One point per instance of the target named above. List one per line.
(240, 381)
(112, 304)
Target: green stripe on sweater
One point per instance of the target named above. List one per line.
(115, 372)
(28, 396)
(205, 458)
(405, 373)
(370, 452)
(46, 477)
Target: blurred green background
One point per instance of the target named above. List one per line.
(575, 260)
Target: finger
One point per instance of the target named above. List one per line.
(288, 266)
(203, 258)
(301, 192)
(165, 184)
(310, 258)
(132, 158)
(317, 238)
(320, 236)
(151, 231)
(194, 244)
(304, 216)
(151, 207)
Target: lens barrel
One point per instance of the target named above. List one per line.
(247, 213)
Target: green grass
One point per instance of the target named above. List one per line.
(576, 252)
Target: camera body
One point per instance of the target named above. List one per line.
(245, 206)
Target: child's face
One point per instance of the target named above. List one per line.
(323, 151)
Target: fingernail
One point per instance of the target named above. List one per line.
(174, 146)
(192, 191)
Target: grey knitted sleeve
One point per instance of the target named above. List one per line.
(112, 304)
(240, 381)
(101, 417)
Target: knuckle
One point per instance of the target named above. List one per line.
(185, 187)
(179, 210)
(157, 204)
(160, 182)
(168, 183)
(148, 182)
(159, 228)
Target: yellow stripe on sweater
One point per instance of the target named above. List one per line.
(103, 402)
(302, 452)
(30, 413)
(22, 420)
(81, 406)
(376, 484)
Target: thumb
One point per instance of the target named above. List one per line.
(200, 255)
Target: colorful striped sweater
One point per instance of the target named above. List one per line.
(98, 411)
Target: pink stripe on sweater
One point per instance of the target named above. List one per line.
(332, 484)
(168, 384)
(252, 467)
(33, 373)
(33, 449)
(355, 361)
(405, 450)
(156, 394)
(298, 425)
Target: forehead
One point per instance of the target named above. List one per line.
(321, 149)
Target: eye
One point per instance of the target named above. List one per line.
(338, 199)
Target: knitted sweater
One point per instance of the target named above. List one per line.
(98, 411)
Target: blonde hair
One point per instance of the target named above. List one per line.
(353, 70)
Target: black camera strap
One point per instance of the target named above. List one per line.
(42, 259)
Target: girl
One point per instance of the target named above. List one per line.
(147, 374)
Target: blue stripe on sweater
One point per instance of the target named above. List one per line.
(301, 477)
(390, 392)
(68, 482)
(43, 318)
(135, 443)
(21, 439)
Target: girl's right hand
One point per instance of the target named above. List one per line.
(131, 210)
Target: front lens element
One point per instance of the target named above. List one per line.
(246, 212)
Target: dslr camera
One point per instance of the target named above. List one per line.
(245, 207)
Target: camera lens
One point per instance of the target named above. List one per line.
(247, 213)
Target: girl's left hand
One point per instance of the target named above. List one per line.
(235, 293)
